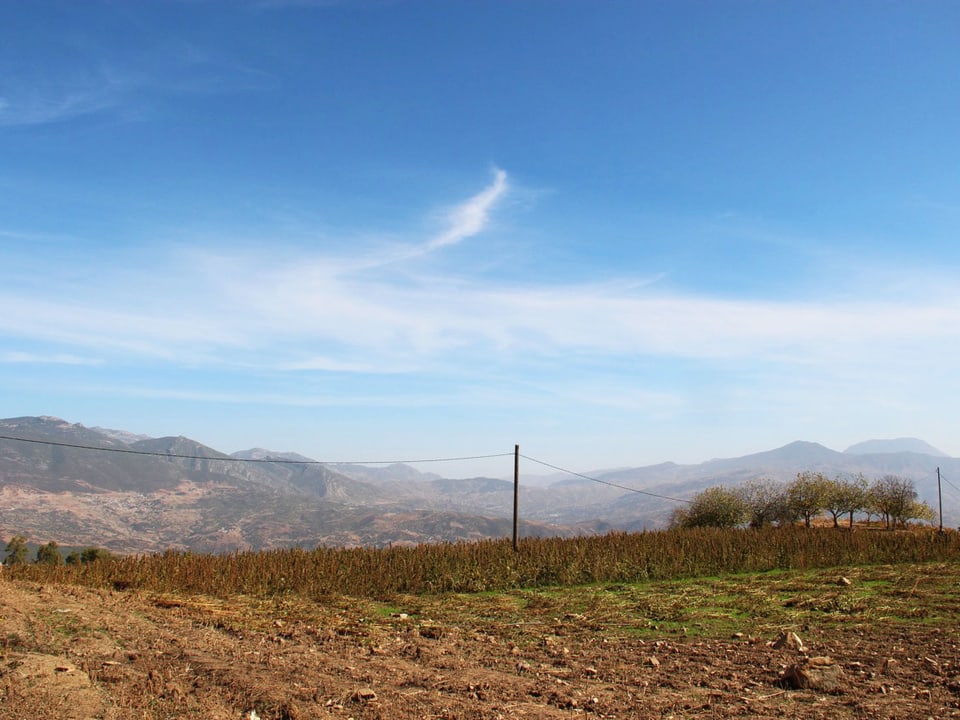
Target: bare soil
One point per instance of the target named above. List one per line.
(80, 653)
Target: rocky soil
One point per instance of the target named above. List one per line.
(78, 653)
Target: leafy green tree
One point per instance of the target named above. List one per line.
(895, 499)
(16, 550)
(845, 497)
(713, 507)
(73, 558)
(890, 496)
(93, 554)
(765, 500)
(922, 511)
(807, 496)
(49, 554)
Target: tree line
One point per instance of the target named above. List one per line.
(758, 503)
(17, 553)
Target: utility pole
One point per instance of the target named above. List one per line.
(940, 500)
(516, 498)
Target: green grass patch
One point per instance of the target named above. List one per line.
(66, 625)
(752, 604)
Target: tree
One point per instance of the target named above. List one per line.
(807, 496)
(16, 550)
(713, 507)
(845, 497)
(921, 511)
(88, 555)
(49, 554)
(93, 554)
(765, 500)
(894, 498)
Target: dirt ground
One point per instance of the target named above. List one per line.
(78, 653)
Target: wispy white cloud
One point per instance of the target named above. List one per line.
(32, 358)
(300, 310)
(34, 107)
(313, 315)
(299, 399)
(471, 217)
(328, 364)
(97, 84)
(111, 325)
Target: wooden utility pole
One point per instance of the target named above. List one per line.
(940, 500)
(516, 498)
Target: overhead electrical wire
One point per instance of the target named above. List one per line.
(605, 482)
(229, 458)
(289, 461)
(949, 483)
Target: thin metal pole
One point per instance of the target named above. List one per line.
(940, 500)
(516, 498)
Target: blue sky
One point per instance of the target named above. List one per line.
(616, 233)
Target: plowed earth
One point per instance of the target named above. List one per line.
(79, 653)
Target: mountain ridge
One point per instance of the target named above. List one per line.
(896, 445)
(208, 500)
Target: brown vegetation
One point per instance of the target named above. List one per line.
(875, 642)
(492, 565)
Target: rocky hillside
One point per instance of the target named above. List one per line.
(150, 494)
(136, 494)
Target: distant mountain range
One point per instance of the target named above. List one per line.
(907, 445)
(132, 496)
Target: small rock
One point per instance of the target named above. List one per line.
(653, 662)
(737, 636)
(365, 695)
(789, 640)
(590, 671)
(816, 673)
(430, 631)
(844, 582)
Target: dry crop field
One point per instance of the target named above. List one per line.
(689, 647)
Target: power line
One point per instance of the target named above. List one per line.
(949, 483)
(605, 482)
(228, 458)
